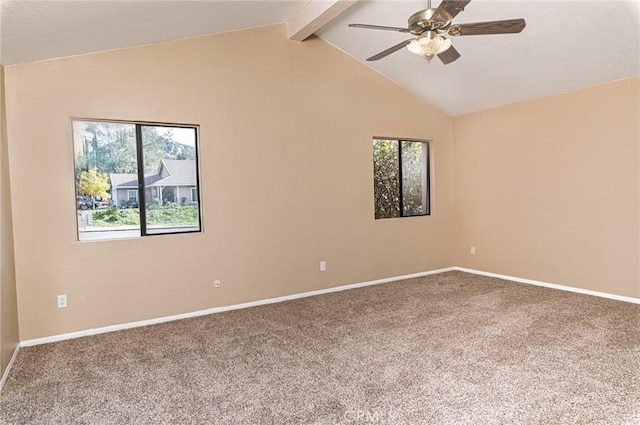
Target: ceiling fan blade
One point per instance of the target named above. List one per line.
(509, 26)
(449, 55)
(390, 50)
(379, 27)
(449, 9)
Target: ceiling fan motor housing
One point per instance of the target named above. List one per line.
(429, 20)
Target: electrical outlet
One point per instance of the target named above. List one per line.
(323, 266)
(473, 250)
(62, 301)
(217, 283)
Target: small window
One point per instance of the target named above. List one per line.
(401, 178)
(132, 195)
(194, 195)
(132, 179)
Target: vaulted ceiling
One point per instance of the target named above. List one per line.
(566, 45)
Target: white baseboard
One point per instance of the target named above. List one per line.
(113, 328)
(551, 285)
(5, 375)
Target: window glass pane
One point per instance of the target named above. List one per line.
(105, 173)
(171, 177)
(414, 178)
(386, 178)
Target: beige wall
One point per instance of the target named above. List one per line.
(286, 171)
(549, 189)
(8, 307)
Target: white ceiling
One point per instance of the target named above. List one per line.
(566, 45)
(42, 29)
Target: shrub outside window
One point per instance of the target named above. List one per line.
(135, 179)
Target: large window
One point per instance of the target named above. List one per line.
(401, 178)
(135, 179)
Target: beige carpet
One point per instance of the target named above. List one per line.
(452, 348)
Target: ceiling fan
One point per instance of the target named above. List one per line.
(429, 24)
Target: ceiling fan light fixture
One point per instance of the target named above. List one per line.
(429, 44)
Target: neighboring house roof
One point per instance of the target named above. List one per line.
(180, 173)
(124, 180)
